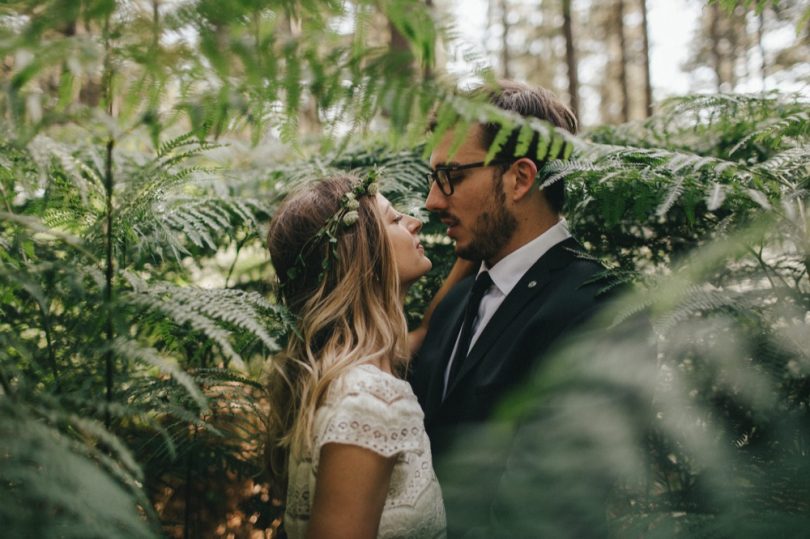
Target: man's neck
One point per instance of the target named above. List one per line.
(523, 235)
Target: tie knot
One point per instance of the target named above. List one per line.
(482, 284)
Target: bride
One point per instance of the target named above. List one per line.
(347, 433)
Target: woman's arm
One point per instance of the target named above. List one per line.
(460, 269)
(350, 492)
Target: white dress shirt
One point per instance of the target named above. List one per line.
(505, 275)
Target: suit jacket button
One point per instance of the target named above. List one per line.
(532, 284)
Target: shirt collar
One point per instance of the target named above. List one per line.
(509, 270)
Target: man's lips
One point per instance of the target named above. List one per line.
(449, 221)
(450, 224)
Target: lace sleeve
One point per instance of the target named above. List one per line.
(371, 410)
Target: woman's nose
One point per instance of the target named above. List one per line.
(414, 224)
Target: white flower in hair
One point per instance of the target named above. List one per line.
(350, 218)
(346, 216)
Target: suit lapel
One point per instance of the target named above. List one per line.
(525, 291)
(448, 339)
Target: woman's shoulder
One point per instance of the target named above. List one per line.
(371, 408)
(370, 380)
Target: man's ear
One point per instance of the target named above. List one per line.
(525, 172)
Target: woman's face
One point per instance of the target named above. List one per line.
(403, 231)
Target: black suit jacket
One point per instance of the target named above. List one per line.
(558, 293)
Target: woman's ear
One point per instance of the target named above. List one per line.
(525, 172)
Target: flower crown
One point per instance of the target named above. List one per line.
(344, 218)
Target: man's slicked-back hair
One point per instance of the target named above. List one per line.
(527, 101)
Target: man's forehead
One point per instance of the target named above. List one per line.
(455, 145)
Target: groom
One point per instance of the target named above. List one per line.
(494, 327)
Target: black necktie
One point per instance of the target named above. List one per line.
(482, 284)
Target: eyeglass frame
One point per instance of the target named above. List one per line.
(434, 175)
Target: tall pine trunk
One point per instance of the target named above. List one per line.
(505, 58)
(398, 44)
(645, 59)
(109, 329)
(714, 37)
(763, 66)
(570, 57)
(622, 61)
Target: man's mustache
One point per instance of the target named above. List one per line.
(447, 218)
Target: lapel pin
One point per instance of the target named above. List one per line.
(532, 284)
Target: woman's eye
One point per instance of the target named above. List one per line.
(398, 218)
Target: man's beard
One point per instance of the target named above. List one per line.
(493, 228)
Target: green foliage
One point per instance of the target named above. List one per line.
(703, 166)
(108, 217)
(125, 360)
(65, 476)
(705, 432)
(141, 156)
(759, 6)
(216, 66)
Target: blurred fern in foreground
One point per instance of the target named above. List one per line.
(690, 415)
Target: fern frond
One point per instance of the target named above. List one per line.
(793, 125)
(716, 196)
(207, 221)
(696, 300)
(73, 220)
(131, 349)
(214, 313)
(45, 233)
(85, 178)
(716, 107)
(182, 316)
(43, 469)
(673, 192)
(792, 163)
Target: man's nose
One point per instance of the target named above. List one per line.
(435, 200)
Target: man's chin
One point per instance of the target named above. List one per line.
(464, 251)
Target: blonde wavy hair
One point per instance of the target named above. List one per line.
(348, 312)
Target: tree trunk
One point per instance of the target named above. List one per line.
(714, 37)
(623, 61)
(570, 57)
(504, 36)
(645, 59)
(736, 37)
(109, 270)
(398, 42)
(763, 66)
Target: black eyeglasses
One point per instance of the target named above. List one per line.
(442, 174)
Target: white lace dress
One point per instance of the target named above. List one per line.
(375, 410)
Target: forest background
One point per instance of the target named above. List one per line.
(145, 145)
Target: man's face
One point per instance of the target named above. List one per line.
(475, 214)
